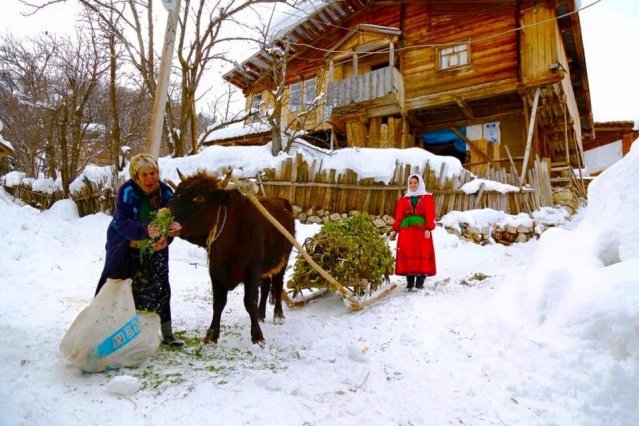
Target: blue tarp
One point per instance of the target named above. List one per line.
(439, 137)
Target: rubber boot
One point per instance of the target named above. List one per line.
(167, 335)
(410, 282)
(419, 285)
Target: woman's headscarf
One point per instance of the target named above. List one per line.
(421, 189)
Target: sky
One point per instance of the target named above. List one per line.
(537, 333)
(609, 31)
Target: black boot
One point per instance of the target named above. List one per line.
(420, 283)
(167, 335)
(410, 282)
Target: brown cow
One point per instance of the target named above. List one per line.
(242, 245)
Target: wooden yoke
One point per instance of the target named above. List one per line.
(351, 301)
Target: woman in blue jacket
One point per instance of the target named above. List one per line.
(138, 198)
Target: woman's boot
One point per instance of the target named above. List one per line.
(410, 282)
(420, 283)
(167, 335)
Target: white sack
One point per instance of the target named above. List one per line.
(109, 333)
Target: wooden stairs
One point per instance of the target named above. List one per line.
(561, 176)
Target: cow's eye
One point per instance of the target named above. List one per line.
(198, 199)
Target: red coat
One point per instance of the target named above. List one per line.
(415, 253)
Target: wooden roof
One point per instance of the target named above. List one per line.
(5, 149)
(334, 14)
(611, 131)
(311, 28)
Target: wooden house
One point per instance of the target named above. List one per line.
(487, 81)
(612, 142)
(613, 131)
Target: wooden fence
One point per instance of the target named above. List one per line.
(89, 200)
(308, 186)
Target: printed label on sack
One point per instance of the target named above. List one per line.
(120, 338)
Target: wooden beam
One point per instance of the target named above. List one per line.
(474, 147)
(531, 128)
(463, 105)
(477, 91)
(468, 122)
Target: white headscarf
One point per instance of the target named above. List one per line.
(421, 189)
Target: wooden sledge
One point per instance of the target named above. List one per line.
(352, 300)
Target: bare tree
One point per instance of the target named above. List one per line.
(288, 116)
(220, 112)
(199, 44)
(79, 65)
(27, 107)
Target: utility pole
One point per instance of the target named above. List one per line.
(161, 89)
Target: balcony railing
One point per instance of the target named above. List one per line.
(384, 86)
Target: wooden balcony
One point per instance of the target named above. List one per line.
(379, 92)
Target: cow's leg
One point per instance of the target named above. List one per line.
(251, 282)
(219, 302)
(265, 288)
(277, 286)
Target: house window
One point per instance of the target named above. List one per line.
(454, 56)
(295, 97)
(256, 103)
(302, 94)
(309, 92)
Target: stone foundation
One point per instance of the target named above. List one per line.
(495, 233)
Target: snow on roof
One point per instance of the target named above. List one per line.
(237, 130)
(6, 146)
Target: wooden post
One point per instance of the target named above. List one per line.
(531, 127)
(331, 70)
(354, 64)
(161, 94)
(391, 54)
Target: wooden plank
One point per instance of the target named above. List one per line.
(473, 146)
(479, 195)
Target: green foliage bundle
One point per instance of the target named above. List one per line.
(349, 250)
(161, 219)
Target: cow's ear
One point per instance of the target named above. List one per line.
(222, 197)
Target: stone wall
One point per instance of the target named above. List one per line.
(511, 229)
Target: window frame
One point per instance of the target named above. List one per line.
(458, 51)
(306, 103)
(256, 106)
(295, 94)
(299, 97)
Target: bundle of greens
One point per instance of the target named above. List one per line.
(161, 219)
(350, 250)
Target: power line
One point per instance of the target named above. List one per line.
(453, 43)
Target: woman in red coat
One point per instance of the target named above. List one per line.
(414, 223)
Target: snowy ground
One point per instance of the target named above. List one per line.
(540, 333)
(419, 358)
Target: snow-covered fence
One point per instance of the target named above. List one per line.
(40, 200)
(90, 199)
(308, 186)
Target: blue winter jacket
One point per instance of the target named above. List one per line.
(125, 226)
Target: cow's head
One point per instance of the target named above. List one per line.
(197, 201)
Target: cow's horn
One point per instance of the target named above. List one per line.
(227, 179)
(179, 174)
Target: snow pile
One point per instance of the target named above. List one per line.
(580, 294)
(124, 385)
